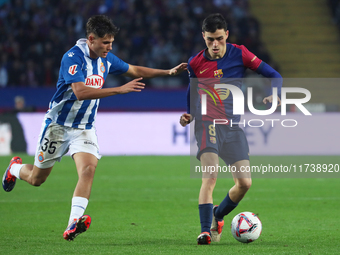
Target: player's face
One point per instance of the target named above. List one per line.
(100, 47)
(216, 42)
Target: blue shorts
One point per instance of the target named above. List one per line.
(229, 143)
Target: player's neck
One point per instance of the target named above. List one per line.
(93, 55)
(212, 56)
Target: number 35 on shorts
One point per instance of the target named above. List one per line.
(48, 146)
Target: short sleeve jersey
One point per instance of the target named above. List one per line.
(77, 66)
(228, 69)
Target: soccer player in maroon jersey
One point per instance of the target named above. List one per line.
(220, 60)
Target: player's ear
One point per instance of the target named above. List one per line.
(91, 38)
(227, 34)
(203, 35)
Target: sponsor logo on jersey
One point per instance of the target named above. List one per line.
(218, 74)
(203, 71)
(223, 93)
(94, 81)
(72, 69)
(214, 93)
(41, 157)
(102, 68)
(70, 54)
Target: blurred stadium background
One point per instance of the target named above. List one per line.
(300, 39)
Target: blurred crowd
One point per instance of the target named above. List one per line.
(153, 33)
(335, 9)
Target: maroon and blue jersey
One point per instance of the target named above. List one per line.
(204, 73)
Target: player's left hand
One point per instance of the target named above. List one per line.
(178, 69)
(270, 100)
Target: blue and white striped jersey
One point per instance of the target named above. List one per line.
(77, 66)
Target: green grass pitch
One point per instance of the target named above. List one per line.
(148, 205)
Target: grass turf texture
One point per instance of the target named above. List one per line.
(148, 205)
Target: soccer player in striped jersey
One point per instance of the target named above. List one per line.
(69, 121)
(220, 62)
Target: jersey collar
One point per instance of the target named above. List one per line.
(81, 43)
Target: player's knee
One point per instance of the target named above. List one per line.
(88, 171)
(245, 184)
(212, 181)
(209, 182)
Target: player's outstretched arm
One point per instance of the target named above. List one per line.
(185, 119)
(83, 92)
(146, 72)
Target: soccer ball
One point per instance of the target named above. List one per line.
(246, 227)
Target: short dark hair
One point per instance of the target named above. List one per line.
(213, 22)
(101, 25)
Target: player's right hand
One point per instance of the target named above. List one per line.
(270, 100)
(132, 86)
(185, 119)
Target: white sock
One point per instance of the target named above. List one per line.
(79, 205)
(15, 170)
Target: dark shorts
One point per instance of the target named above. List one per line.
(229, 143)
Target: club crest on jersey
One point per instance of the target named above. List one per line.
(212, 139)
(218, 74)
(72, 70)
(41, 157)
(102, 68)
(94, 81)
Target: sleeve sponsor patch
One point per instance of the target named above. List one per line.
(72, 70)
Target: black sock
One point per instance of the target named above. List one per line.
(225, 207)
(205, 211)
